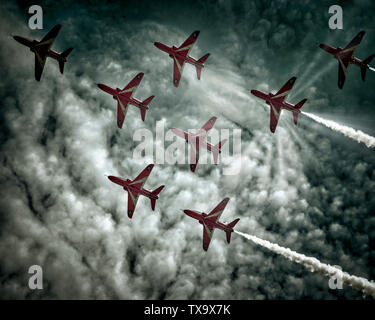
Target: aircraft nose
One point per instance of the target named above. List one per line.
(22, 40)
(255, 93)
(112, 178)
(187, 212)
(17, 38)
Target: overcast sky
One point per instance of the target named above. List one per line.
(306, 188)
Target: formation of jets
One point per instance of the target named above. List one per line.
(198, 140)
(180, 56)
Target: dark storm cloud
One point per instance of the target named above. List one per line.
(305, 188)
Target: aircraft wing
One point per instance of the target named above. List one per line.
(132, 86)
(207, 127)
(132, 202)
(208, 231)
(215, 214)
(122, 109)
(49, 38)
(40, 61)
(353, 45)
(42, 48)
(209, 124)
(178, 66)
(343, 69)
(180, 133)
(274, 117)
(284, 91)
(185, 48)
(140, 180)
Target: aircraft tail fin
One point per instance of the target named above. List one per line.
(63, 60)
(217, 149)
(199, 68)
(155, 193)
(364, 69)
(231, 225)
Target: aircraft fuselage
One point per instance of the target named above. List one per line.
(342, 54)
(268, 98)
(200, 141)
(201, 217)
(32, 43)
(124, 100)
(127, 186)
(133, 101)
(172, 52)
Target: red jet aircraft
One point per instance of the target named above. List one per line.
(180, 55)
(210, 222)
(42, 50)
(124, 97)
(276, 103)
(135, 188)
(346, 57)
(198, 140)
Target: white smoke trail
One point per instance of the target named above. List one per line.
(314, 264)
(356, 135)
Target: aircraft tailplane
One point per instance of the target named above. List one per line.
(199, 68)
(364, 69)
(199, 71)
(155, 193)
(217, 149)
(295, 113)
(231, 225)
(143, 110)
(204, 58)
(62, 62)
(61, 66)
(148, 100)
(295, 117)
(143, 113)
(300, 104)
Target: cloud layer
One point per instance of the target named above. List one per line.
(305, 187)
